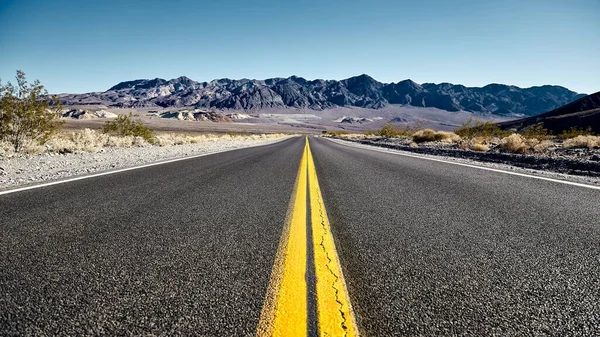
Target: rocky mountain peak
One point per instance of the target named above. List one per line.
(297, 92)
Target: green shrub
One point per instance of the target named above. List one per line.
(475, 128)
(535, 131)
(574, 132)
(124, 125)
(25, 114)
(388, 131)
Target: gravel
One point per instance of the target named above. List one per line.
(22, 171)
(508, 162)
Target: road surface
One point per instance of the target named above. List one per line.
(216, 245)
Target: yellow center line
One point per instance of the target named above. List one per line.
(335, 315)
(285, 311)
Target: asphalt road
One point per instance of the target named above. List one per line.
(182, 248)
(426, 248)
(430, 248)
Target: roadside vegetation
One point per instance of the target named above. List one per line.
(484, 136)
(30, 124)
(27, 115)
(87, 140)
(126, 126)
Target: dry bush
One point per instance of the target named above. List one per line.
(426, 135)
(389, 131)
(93, 141)
(335, 133)
(447, 137)
(476, 144)
(6, 149)
(167, 139)
(514, 143)
(479, 147)
(125, 141)
(429, 135)
(542, 146)
(582, 142)
(85, 140)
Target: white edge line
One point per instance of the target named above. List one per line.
(105, 173)
(397, 152)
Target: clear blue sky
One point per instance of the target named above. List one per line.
(87, 45)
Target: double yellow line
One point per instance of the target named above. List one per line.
(296, 289)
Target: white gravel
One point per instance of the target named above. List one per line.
(21, 171)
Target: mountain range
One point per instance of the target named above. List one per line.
(297, 92)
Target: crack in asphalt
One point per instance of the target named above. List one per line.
(337, 279)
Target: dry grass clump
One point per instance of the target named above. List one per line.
(126, 141)
(475, 144)
(514, 143)
(429, 135)
(93, 141)
(447, 137)
(479, 147)
(89, 141)
(167, 139)
(426, 135)
(581, 141)
(542, 146)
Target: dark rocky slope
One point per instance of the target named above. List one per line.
(582, 113)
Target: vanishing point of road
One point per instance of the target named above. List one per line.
(305, 236)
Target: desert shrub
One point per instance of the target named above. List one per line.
(574, 132)
(475, 144)
(476, 128)
(25, 114)
(583, 142)
(124, 125)
(239, 133)
(542, 146)
(535, 131)
(447, 137)
(426, 135)
(514, 143)
(429, 135)
(88, 140)
(126, 141)
(388, 131)
(336, 133)
(479, 147)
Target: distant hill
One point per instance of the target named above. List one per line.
(297, 92)
(582, 113)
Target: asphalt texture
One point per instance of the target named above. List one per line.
(430, 248)
(185, 248)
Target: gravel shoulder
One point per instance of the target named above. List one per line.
(569, 169)
(24, 171)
